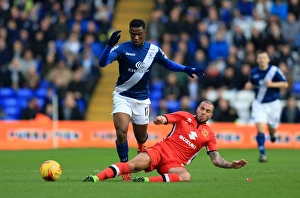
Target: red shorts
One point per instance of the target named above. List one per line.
(161, 160)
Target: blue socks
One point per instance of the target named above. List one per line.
(260, 138)
(122, 150)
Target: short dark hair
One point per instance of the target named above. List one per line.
(260, 52)
(137, 23)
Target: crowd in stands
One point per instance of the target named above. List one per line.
(223, 37)
(50, 47)
(53, 46)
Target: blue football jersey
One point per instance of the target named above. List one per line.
(258, 78)
(135, 64)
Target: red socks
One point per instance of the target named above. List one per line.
(123, 168)
(114, 171)
(165, 178)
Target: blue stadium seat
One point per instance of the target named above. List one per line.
(296, 87)
(13, 112)
(41, 102)
(156, 95)
(81, 105)
(173, 105)
(41, 93)
(10, 102)
(157, 85)
(44, 84)
(7, 93)
(23, 103)
(11, 118)
(25, 93)
(155, 105)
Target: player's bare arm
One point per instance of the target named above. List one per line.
(218, 161)
(271, 84)
(160, 120)
(248, 86)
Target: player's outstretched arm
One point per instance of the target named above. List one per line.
(160, 120)
(218, 161)
(104, 60)
(173, 66)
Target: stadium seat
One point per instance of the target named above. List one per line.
(41, 102)
(212, 95)
(7, 93)
(157, 85)
(41, 93)
(25, 93)
(22, 103)
(173, 105)
(13, 112)
(229, 95)
(296, 87)
(155, 105)
(81, 105)
(156, 95)
(10, 102)
(44, 84)
(245, 96)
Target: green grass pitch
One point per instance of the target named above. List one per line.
(19, 176)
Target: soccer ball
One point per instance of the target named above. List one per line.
(50, 170)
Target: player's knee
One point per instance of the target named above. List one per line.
(185, 177)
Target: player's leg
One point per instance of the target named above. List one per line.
(122, 115)
(121, 123)
(272, 132)
(260, 117)
(175, 174)
(274, 118)
(138, 163)
(140, 120)
(141, 136)
(260, 139)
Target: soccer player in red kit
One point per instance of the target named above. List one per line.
(189, 134)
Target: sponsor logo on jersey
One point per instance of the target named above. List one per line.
(188, 142)
(193, 135)
(204, 132)
(130, 54)
(188, 121)
(141, 67)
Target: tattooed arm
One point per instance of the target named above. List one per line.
(218, 161)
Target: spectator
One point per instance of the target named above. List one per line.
(69, 109)
(290, 29)
(294, 7)
(280, 9)
(77, 86)
(218, 49)
(28, 61)
(291, 112)
(31, 110)
(60, 76)
(263, 8)
(14, 77)
(224, 113)
(155, 27)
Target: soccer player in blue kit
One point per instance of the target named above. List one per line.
(131, 94)
(267, 80)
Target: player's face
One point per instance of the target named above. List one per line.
(263, 59)
(137, 35)
(204, 112)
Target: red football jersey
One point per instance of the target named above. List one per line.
(187, 137)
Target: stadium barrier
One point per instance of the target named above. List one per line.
(18, 135)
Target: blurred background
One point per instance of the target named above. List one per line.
(51, 48)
